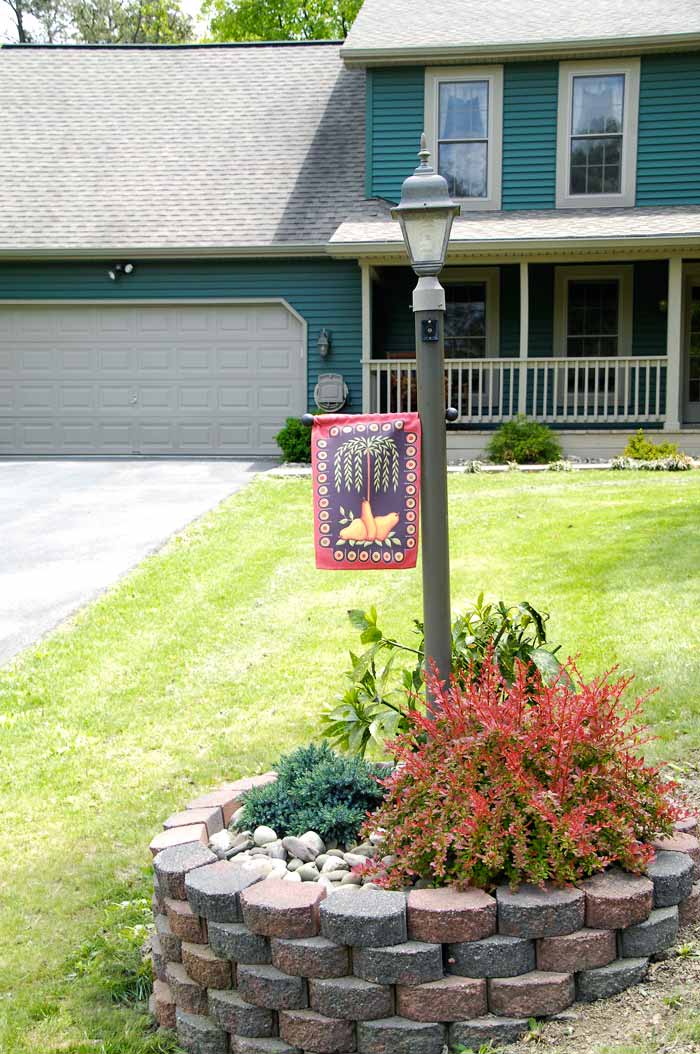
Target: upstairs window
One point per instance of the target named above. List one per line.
(463, 122)
(597, 135)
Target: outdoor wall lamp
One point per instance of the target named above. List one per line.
(426, 212)
(324, 343)
(119, 269)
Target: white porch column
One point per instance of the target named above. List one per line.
(674, 344)
(366, 334)
(524, 333)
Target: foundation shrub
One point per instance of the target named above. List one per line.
(524, 442)
(494, 788)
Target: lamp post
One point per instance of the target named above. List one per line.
(425, 213)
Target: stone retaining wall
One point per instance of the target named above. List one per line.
(252, 966)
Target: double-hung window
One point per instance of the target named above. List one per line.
(597, 134)
(463, 123)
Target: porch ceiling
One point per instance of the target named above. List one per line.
(370, 232)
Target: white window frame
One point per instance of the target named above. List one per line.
(630, 121)
(624, 273)
(490, 276)
(434, 77)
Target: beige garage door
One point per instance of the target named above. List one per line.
(214, 378)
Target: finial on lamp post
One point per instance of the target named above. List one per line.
(423, 153)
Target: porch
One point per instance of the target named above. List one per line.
(588, 348)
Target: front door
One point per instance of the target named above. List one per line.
(691, 414)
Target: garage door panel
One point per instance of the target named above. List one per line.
(202, 379)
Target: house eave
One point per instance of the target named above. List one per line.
(501, 52)
(529, 248)
(170, 252)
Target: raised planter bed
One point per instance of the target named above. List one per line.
(260, 965)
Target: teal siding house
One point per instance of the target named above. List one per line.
(196, 242)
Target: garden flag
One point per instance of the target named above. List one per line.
(366, 476)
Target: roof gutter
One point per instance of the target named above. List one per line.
(581, 48)
(180, 252)
(524, 245)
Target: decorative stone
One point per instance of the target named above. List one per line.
(535, 911)
(188, 995)
(276, 908)
(315, 1033)
(226, 800)
(299, 850)
(269, 987)
(535, 994)
(310, 957)
(163, 1004)
(170, 943)
(308, 873)
(442, 915)
(200, 1035)
(487, 1030)
(236, 1016)
(193, 832)
(184, 923)
(364, 918)
(277, 851)
(205, 967)
(656, 934)
(291, 876)
(212, 819)
(408, 963)
(397, 1035)
(314, 841)
(221, 843)
(689, 908)
(244, 1045)
(263, 835)
(681, 842)
(214, 891)
(351, 998)
(495, 956)
(449, 999)
(233, 940)
(687, 825)
(583, 950)
(672, 876)
(609, 980)
(171, 865)
(616, 899)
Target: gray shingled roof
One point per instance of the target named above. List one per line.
(206, 148)
(391, 25)
(372, 225)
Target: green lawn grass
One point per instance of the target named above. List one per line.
(219, 652)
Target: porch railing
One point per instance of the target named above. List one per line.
(558, 391)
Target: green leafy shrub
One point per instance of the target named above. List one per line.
(378, 701)
(294, 440)
(490, 788)
(316, 790)
(525, 442)
(640, 448)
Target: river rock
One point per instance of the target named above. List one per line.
(299, 849)
(314, 841)
(308, 873)
(263, 835)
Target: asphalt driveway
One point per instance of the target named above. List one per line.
(68, 529)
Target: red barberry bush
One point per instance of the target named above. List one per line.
(523, 783)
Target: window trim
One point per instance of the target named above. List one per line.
(624, 273)
(630, 122)
(490, 276)
(437, 75)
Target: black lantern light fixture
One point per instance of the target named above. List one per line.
(426, 212)
(324, 343)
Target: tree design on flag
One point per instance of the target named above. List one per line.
(369, 462)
